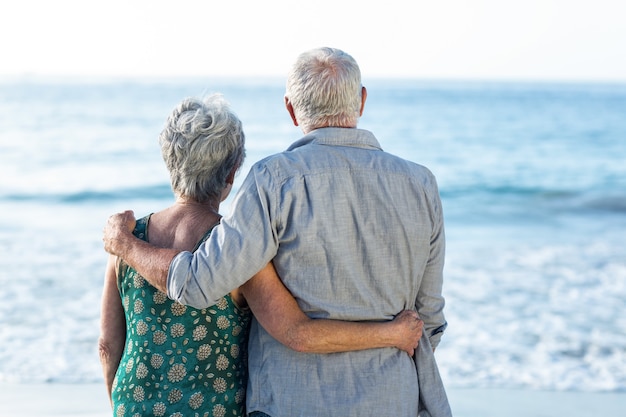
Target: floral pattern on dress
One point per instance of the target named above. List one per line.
(179, 361)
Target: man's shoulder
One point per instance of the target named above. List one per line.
(273, 159)
(273, 166)
(411, 167)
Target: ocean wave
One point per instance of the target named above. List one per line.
(613, 203)
(540, 198)
(149, 192)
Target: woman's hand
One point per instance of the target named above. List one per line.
(407, 330)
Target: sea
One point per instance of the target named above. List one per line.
(532, 177)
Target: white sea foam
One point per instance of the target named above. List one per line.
(541, 316)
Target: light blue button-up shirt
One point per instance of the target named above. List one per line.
(355, 233)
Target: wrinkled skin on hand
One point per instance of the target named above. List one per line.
(409, 328)
(118, 226)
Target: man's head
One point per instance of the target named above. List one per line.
(324, 90)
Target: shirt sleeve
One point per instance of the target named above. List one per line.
(430, 301)
(240, 246)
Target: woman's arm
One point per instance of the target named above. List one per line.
(278, 312)
(112, 326)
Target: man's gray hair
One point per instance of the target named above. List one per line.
(201, 143)
(324, 88)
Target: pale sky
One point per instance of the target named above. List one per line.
(446, 39)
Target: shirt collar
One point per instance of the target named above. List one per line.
(339, 136)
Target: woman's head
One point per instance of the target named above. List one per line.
(202, 145)
(324, 88)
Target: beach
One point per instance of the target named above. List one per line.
(89, 400)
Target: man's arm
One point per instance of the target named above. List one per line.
(430, 301)
(278, 312)
(149, 261)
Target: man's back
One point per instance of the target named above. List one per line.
(360, 237)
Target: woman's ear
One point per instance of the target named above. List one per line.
(226, 191)
(230, 179)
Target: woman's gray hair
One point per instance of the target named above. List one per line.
(202, 143)
(324, 88)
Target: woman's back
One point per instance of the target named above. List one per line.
(178, 360)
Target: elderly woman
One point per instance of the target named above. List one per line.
(166, 359)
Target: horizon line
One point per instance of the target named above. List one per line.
(151, 78)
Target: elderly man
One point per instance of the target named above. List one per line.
(355, 234)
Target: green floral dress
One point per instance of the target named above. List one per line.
(179, 361)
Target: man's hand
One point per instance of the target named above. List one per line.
(408, 329)
(118, 227)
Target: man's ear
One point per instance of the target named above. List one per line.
(290, 110)
(363, 98)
